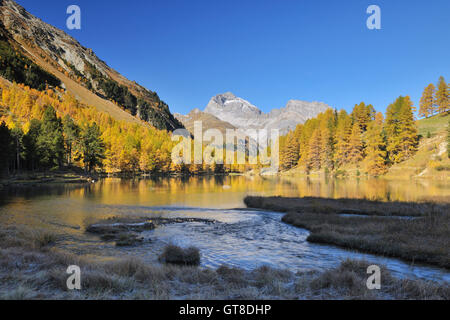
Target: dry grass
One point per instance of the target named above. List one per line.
(348, 281)
(348, 206)
(424, 239)
(179, 256)
(29, 272)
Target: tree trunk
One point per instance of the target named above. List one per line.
(18, 153)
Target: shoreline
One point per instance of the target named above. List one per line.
(39, 180)
(34, 268)
(30, 179)
(424, 239)
(388, 176)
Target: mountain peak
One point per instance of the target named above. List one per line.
(230, 102)
(195, 111)
(227, 95)
(244, 115)
(222, 99)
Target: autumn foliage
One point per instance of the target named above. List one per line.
(128, 147)
(363, 138)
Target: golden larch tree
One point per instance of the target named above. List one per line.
(355, 153)
(376, 147)
(442, 96)
(427, 101)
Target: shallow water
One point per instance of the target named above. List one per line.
(243, 238)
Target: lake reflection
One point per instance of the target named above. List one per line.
(243, 238)
(228, 192)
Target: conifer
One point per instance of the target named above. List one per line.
(376, 147)
(314, 153)
(427, 102)
(442, 96)
(290, 152)
(401, 130)
(355, 151)
(343, 132)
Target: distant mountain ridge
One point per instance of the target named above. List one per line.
(241, 114)
(80, 70)
(208, 121)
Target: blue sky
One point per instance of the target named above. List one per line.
(267, 52)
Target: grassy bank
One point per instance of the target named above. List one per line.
(346, 206)
(423, 239)
(31, 267)
(39, 179)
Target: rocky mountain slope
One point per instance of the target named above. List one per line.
(80, 70)
(208, 121)
(243, 115)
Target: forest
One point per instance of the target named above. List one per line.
(49, 129)
(51, 142)
(46, 129)
(17, 68)
(364, 138)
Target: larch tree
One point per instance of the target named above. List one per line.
(290, 152)
(401, 130)
(409, 135)
(327, 128)
(355, 150)
(314, 152)
(376, 147)
(326, 148)
(343, 132)
(442, 96)
(305, 138)
(363, 114)
(427, 101)
(392, 128)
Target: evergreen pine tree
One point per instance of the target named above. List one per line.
(71, 135)
(6, 143)
(30, 144)
(17, 135)
(50, 142)
(92, 147)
